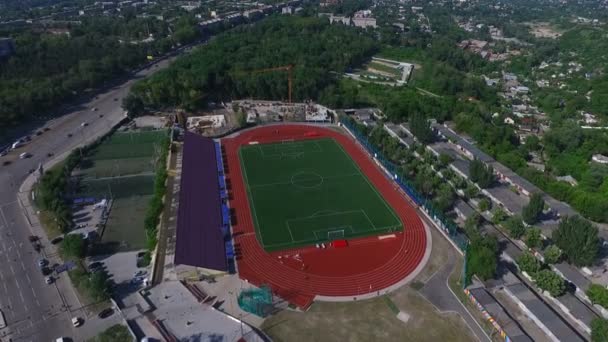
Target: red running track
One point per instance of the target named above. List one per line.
(367, 265)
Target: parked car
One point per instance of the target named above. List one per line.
(46, 271)
(42, 262)
(106, 313)
(76, 321)
(48, 280)
(95, 265)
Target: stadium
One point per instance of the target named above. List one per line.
(301, 209)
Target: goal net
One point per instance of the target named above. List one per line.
(335, 234)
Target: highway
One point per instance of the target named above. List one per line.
(35, 311)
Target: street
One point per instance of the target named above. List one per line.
(35, 311)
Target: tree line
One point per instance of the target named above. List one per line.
(49, 69)
(230, 65)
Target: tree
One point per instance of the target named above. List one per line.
(515, 226)
(549, 281)
(98, 285)
(445, 159)
(553, 254)
(498, 215)
(599, 330)
(484, 204)
(482, 257)
(481, 174)
(73, 246)
(577, 238)
(598, 295)
(533, 238)
(531, 212)
(421, 128)
(528, 263)
(133, 105)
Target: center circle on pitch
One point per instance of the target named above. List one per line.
(307, 180)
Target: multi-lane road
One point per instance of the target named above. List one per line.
(35, 311)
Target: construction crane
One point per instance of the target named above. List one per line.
(288, 68)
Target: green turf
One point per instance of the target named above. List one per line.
(129, 145)
(306, 192)
(117, 187)
(116, 167)
(124, 230)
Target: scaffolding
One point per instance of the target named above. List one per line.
(256, 301)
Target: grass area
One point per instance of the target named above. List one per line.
(48, 223)
(369, 320)
(115, 333)
(304, 192)
(91, 305)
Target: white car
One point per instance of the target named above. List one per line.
(48, 280)
(84, 124)
(76, 322)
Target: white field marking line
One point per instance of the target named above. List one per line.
(368, 219)
(251, 200)
(290, 233)
(390, 210)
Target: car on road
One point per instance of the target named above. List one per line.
(42, 262)
(84, 124)
(57, 240)
(139, 273)
(24, 155)
(116, 99)
(50, 154)
(30, 171)
(46, 271)
(76, 321)
(6, 162)
(106, 313)
(69, 135)
(101, 115)
(48, 280)
(94, 109)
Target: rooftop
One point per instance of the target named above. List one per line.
(199, 237)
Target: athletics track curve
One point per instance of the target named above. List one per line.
(367, 266)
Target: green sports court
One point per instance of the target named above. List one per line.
(310, 191)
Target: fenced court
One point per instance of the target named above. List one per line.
(122, 168)
(124, 230)
(311, 191)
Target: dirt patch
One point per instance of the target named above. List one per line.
(544, 30)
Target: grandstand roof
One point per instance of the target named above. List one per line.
(199, 237)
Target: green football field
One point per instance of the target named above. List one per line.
(307, 192)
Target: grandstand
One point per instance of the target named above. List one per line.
(203, 224)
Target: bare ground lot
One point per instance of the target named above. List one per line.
(544, 30)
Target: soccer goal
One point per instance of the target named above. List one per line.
(335, 234)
